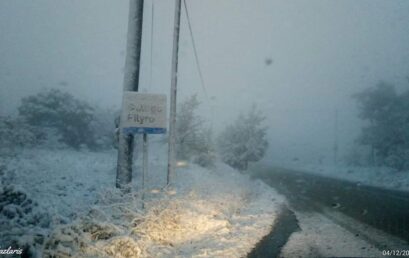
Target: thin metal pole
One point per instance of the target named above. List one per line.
(336, 137)
(173, 91)
(145, 166)
(131, 83)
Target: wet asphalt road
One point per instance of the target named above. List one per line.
(386, 210)
(271, 244)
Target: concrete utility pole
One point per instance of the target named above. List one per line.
(131, 83)
(173, 91)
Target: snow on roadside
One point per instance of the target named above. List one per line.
(63, 182)
(207, 213)
(374, 176)
(321, 237)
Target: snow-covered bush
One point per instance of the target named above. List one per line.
(23, 226)
(15, 132)
(244, 141)
(60, 110)
(103, 127)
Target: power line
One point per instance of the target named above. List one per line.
(198, 65)
(195, 50)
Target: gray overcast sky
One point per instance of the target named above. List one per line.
(323, 51)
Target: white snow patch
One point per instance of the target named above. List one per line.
(206, 213)
(321, 237)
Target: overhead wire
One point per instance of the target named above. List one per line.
(195, 50)
(202, 82)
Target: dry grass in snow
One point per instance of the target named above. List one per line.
(217, 213)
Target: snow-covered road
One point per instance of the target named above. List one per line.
(320, 204)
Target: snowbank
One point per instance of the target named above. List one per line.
(206, 213)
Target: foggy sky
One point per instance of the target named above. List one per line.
(322, 53)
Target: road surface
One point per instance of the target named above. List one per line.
(380, 217)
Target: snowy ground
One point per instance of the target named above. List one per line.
(61, 203)
(321, 237)
(375, 176)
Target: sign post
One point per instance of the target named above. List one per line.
(145, 114)
(145, 166)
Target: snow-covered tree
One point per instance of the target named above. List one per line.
(244, 141)
(387, 131)
(70, 117)
(193, 139)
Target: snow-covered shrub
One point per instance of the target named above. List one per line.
(398, 159)
(60, 110)
(205, 160)
(244, 141)
(15, 132)
(103, 126)
(22, 225)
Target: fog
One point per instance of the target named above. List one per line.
(299, 61)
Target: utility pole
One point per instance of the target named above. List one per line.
(131, 83)
(173, 91)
